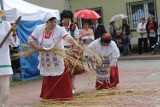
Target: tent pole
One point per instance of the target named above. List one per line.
(2, 8)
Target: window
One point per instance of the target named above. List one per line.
(138, 10)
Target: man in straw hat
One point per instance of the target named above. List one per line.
(5, 62)
(56, 83)
(107, 73)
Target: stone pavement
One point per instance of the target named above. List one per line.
(134, 74)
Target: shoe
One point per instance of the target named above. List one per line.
(153, 46)
(73, 91)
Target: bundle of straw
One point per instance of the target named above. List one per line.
(74, 59)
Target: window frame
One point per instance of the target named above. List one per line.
(145, 7)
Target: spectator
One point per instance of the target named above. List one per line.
(113, 31)
(151, 28)
(142, 37)
(87, 34)
(126, 37)
(98, 29)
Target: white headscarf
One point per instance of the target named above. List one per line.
(48, 16)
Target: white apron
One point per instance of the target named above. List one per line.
(50, 64)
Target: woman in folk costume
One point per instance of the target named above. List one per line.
(107, 73)
(67, 22)
(72, 29)
(56, 83)
(5, 62)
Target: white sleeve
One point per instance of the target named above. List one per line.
(92, 45)
(115, 54)
(93, 34)
(145, 28)
(138, 28)
(14, 43)
(92, 37)
(34, 35)
(11, 39)
(65, 34)
(76, 33)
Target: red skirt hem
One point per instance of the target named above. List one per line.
(114, 80)
(57, 87)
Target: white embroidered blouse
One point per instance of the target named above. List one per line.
(49, 63)
(111, 50)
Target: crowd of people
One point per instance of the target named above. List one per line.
(147, 32)
(58, 82)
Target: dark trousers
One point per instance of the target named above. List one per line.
(152, 41)
(142, 42)
(126, 49)
(125, 42)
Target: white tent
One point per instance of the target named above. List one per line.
(28, 11)
(32, 16)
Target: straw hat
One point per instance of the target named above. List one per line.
(2, 13)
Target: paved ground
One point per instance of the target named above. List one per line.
(134, 74)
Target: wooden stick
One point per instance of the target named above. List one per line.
(9, 32)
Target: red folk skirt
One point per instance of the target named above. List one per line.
(57, 87)
(114, 80)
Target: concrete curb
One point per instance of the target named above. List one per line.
(140, 57)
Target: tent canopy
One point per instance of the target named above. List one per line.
(31, 16)
(28, 11)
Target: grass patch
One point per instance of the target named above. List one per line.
(19, 82)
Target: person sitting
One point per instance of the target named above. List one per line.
(87, 34)
(113, 31)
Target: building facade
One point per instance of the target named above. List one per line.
(134, 9)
